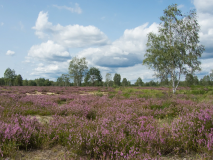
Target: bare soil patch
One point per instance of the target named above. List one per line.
(93, 93)
(40, 93)
(42, 119)
(55, 153)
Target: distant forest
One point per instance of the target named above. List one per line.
(11, 79)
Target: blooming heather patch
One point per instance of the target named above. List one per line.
(119, 125)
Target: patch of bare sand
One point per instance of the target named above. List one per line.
(42, 119)
(55, 153)
(40, 93)
(93, 93)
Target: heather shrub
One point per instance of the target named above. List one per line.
(121, 125)
(91, 115)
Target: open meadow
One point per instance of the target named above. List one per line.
(106, 123)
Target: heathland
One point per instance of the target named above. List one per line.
(106, 123)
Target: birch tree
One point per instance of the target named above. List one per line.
(175, 50)
(78, 69)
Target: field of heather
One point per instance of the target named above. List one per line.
(105, 123)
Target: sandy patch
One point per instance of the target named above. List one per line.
(42, 119)
(55, 153)
(40, 93)
(94, 93)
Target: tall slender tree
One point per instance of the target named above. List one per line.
(78, 69)
(175, 50)
(108, 79)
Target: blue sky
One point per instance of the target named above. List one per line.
(39, 38)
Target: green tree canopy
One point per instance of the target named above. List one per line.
(189, 79)
(9, 76)
(124, 82)
(25, 82)
(18, 80)
(78, 69)
(196, 80)
(139, 82)
(2, 82)
(93, 76)
(175, 50)
(205, 80)
(117, 79)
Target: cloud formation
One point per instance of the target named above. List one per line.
(71, 36)
(205, 19)
(76, 9)
(10, 53)
(49, 51)
(127, 51)
(53, 70)
(123, 56)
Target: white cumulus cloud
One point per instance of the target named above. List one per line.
(72, 36)
(10, 53)
(204, 6)
(127, 51)
(205, 20)
(51, 70)
(49, 51)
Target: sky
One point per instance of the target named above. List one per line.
(39, 38)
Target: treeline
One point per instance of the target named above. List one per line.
(93, 77)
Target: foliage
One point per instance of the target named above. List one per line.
(205, 80)
(139, 82)
(25, 82)
(2, 82)
(175, 50)
(9, 76)
(117, 79)
(108, 79)
(63, 80)
(77, 69)
(123, 125)
(18, 80)
(93, 77)
(124, 82)
(189, 79)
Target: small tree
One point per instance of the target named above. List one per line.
(78, 69)
(139, 82)
(175, 50)
(129, 83)
(117, 79)
(19, 80)
(25, 82)
(196, 80)
(9, 76)
(108, 78)
(93, 76)
(189, 79)
(124, 82)
(205, 80)
(60, 81)
(2, 82)
(65, 79)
